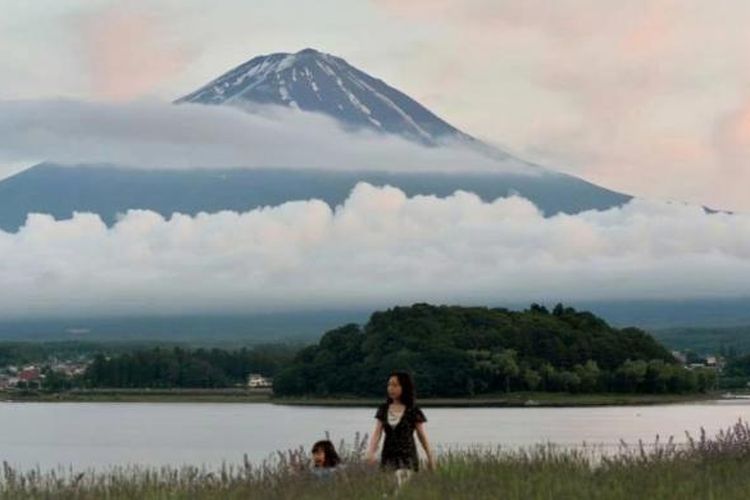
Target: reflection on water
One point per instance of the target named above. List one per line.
(104, 434)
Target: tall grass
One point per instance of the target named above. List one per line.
(716, 467)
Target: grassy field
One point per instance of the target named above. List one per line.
(705, 468)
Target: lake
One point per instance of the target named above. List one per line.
(100, 435)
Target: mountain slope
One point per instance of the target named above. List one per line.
(308, 80)
(109, 190)
(313, 81)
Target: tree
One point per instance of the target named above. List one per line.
(549, 376)
(531, 379)
(706, 379)
(631, 375)
(55, 381)
(658, 376)
(505, 366)
(588, 375)
(569, 381)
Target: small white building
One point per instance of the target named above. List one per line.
(258, 381)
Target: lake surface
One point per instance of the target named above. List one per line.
(101, 435)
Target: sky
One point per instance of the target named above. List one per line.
(648, 98)
(645, 97)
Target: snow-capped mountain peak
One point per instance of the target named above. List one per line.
(318, 82)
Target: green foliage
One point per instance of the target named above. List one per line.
(179, 367)
(451, 351)
(462, 351)
(738, 367)
(736, 373)
(55, 381)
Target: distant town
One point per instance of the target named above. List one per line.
(62, 374)
(33, 375)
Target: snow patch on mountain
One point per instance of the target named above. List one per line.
(314, 81)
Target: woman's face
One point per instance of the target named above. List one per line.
(394, 388)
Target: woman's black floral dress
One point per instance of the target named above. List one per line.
(399, 448)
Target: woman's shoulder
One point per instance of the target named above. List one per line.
(417, 414)
(382, 412)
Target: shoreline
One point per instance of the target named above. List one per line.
(512, 400)
(517, 400)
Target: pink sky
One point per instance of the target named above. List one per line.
(646, 97)
(128, 53)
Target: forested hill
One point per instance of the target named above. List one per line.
(459, 351)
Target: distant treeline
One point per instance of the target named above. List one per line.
(462, 351)
(736, 373)
(728, 342)
(452, 351)
(180, 367)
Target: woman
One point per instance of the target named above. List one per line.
(399, 418)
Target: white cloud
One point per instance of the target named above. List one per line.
(153, 134)
(380, 248)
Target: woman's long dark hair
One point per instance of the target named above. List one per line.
(408, 392)
(332, 458)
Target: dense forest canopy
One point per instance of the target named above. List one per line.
(452, 351)
(460, 351)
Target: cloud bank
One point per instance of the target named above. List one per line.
(151, 134)
(378, 249)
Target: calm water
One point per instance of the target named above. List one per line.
(105, 434)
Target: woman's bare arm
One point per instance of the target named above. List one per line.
(375, 442)
(422, 435)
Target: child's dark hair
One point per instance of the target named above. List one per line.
(408, 392)
(332, 458)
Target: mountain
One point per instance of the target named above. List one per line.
(308, 80)
(108, 190)
(317, 82)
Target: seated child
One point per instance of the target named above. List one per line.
(325, 459)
